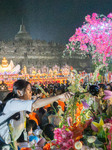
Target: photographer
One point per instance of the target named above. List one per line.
(19, 101)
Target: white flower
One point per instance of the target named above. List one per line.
(91, 139)
(78, 145)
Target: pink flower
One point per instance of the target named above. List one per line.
(107, 126)
(96, 33)
(83, 47)
(108, 120)
(88, 18)
(85, 104)
(104, 19)
(109, 15)
(110, 139)
(64, 138)
(73, 48)
(70, 142)
(78, 31)
(67, 47)
(94, 128)
(94, 15)
(108, 94)
(69, 121)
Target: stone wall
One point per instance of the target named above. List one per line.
(40, 53)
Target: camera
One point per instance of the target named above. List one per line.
(94, 89)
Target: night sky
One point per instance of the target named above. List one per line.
(49, 20)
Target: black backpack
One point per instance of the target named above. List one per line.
(2, 105)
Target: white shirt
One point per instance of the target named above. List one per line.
(13, 106)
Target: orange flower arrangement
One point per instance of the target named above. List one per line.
(77, 131)
(62, 104)
(47, 147)
(34, 116)
(79, 108)
(78, 112)
(45, 107)
(26, 148)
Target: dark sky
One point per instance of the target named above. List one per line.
(50, 20)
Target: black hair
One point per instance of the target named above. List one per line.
(51, 110)
(55, 104)
(42, 110)
(35, 90)
(30, 124)
(49, 131)
(46, 90)
(103, 86)
(18, 85)
(39, 91)
(110, 86)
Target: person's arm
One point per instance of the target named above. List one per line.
(45, 101)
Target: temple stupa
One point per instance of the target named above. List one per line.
(22, 34)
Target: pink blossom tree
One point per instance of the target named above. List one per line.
(93, 37)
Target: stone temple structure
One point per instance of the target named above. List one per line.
(27, 52)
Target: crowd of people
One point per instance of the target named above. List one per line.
(31, 115)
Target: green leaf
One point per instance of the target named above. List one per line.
(98, 143)
(82, 96)
(60, 125)
(101, 134)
